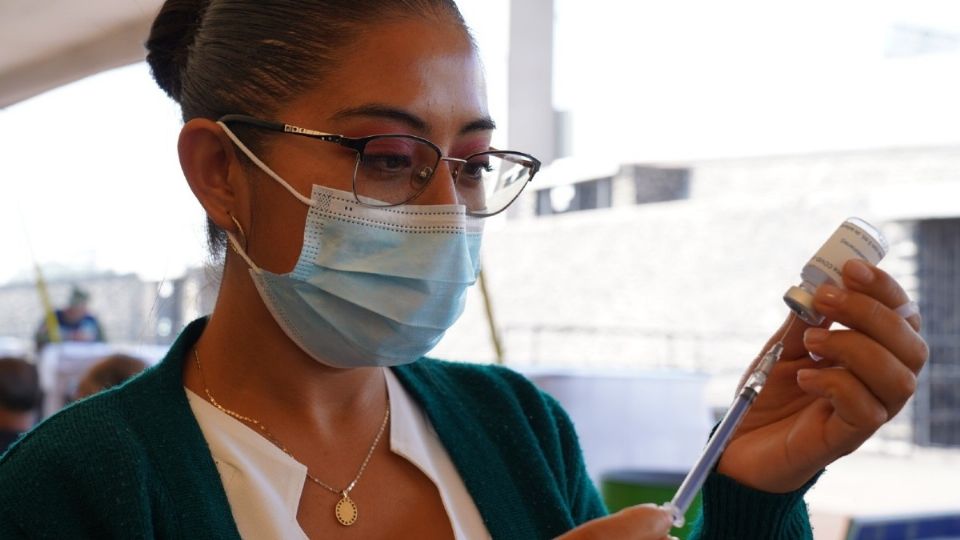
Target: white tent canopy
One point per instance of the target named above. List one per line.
(48, 43)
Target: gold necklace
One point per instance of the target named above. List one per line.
(346, 510)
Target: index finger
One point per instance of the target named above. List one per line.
(790, 334)
(864, 306)
(862, 277)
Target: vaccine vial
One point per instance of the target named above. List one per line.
(855, 239)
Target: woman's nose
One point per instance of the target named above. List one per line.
(441, 189)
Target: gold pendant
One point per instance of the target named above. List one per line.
(346, 511)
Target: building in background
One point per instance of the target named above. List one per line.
(131, 310)
(697, 156)
(682, 265)
(692, 165)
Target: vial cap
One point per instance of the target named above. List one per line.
(801, 302)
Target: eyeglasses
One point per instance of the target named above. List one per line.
(394, 169)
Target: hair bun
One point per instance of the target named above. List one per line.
(171, 36)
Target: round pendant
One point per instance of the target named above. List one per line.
(346, 511)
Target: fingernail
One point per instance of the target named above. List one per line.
(815, 336)
(805, 375)
(831, 295)
(858, 271)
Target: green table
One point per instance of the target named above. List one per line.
(627, 487)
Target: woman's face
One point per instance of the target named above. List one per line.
(415, 77)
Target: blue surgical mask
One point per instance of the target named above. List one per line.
(372, 286)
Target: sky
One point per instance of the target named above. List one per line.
(91, 180)
(698, 79)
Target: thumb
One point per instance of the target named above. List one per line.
(641, 522)
(646, 520)
(791, 334)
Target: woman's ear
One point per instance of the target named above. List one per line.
(212, 170)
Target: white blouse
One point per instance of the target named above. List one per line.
(263, 484)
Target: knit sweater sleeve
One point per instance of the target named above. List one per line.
(77, 475)
(733, 510)
(9, 529)
(585, 501)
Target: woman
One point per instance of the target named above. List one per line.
(300, 408)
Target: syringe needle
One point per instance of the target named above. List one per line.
(718, 442)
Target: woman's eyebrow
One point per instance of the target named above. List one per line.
(481, 124)
(404, 117)
(385, 112)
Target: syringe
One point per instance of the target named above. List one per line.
(711, 454)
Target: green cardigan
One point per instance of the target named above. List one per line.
(132, 462)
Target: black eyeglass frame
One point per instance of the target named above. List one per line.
(358, 144)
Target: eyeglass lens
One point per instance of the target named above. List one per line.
(394, 170)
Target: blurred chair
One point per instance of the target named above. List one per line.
(629, 487)
(62, 365)
(640, 432)
(14, 347)
(650, 421)
(107, 373)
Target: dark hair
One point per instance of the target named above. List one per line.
(19, 385)
(216, 57)
(109, 372)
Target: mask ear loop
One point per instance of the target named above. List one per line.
(243, 235)
(263, 166)
(240, 250)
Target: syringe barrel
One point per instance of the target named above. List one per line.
(711, 454)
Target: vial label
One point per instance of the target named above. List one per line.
(850, 241)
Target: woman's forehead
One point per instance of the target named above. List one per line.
(430, 70)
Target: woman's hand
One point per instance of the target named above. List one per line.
(641, 522)
(812, 413)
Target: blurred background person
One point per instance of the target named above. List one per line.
(107, 373)
(75, 322)
(19, 399)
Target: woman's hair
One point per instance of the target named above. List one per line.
(107, 373)
(216, 57)
(19, 385)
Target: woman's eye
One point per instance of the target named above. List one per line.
(387, 163)
(476, 170)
